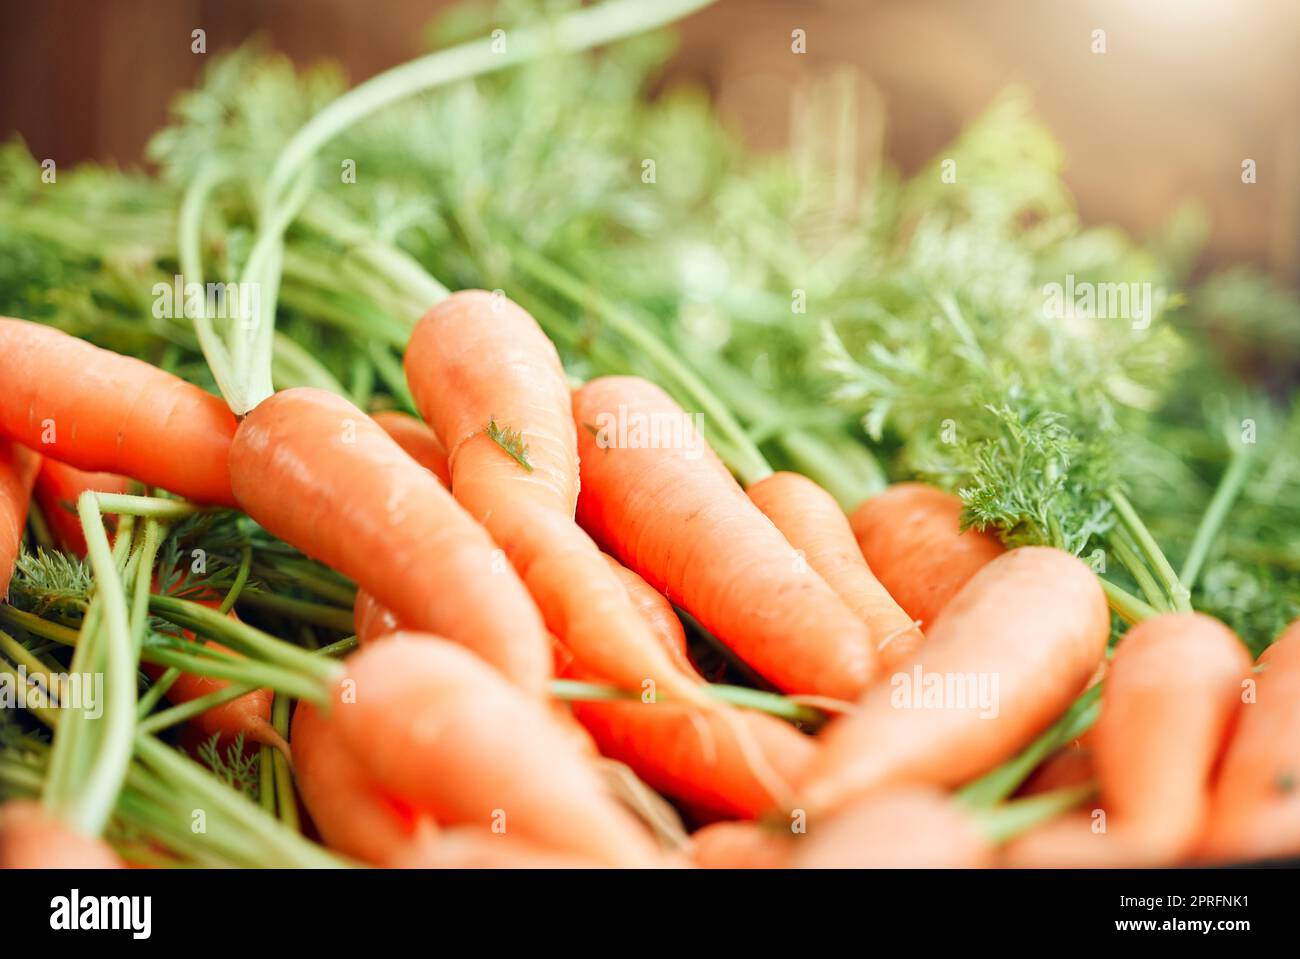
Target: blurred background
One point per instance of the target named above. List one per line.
(1186, 90)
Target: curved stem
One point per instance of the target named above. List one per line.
(1179, 597)
(756, 699)
(579, 30)
(1230, 485)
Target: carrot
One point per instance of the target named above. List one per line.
(813, 522)
(1071, 766)
(57, 487)
(1005, 659)
(1255, 804)
(905, 827)
(688, 528)
(657, 613)
(353, 815)
(471, 847)
(370, 620)
(739, 845)
(478, 364)
(98, 410)
(18, 467)
(420, 442)
(321, 475)
(697, 757)
(30, 838)
(433, 724)
(909, 536)
(249, 714)
(1174, 679)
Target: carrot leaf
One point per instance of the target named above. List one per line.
(511, 441)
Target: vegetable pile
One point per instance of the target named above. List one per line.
(752, 513)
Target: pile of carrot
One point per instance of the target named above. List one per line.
(535, 586)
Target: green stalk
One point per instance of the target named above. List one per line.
(1129, 607)
(743, 457)
(318, 614)
(266, 779)
(1230, 485)
(250, 672)
(156, 692)
(579, 30)
(147, 507)
(88, 809)
(286, 804)
(241, 580)
(289, 849)
(175, 715)
(999, 783)
(242, 637)
(770, 703)
(1179, 597)
(1128, 556)
(1005, 822)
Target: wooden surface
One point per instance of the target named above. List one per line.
(1186, 90)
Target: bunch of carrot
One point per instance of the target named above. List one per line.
(522, 554)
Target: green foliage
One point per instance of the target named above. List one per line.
(234, 767)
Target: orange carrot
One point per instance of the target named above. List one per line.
(1175, 678)
(813, 522)
(899, 828)
(471, 847)
(1255, 805)
(30, 838)
(371, 620)
(250, 714)
(688, 528)
(696, 757)
(321, 475)
(433, 724)
(1005, 659)
(58, 486)
(657, 612)
(1071, 766)
(97, 410)
(478, 363)
(739, 845)
(909, 536)
(353, 815)
(420, 442)
(18, 467)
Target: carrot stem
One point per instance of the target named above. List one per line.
(290, 848)
(1009, 820)
(241, 579)
(1127, 552)
(997, 784)
(1129, 607)
(757, 699)
(1225, 494)
(147, 507)
(183, 712)
(286, 804)
(243, 637)
(733, 443)
(318, 614)
(1179, 597)
(90, 805)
